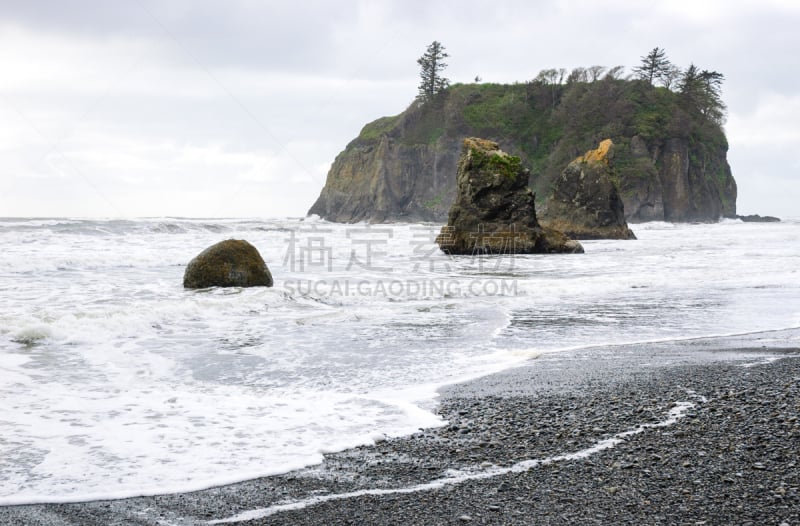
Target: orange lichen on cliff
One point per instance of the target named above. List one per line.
(602, 154)
(483, 145)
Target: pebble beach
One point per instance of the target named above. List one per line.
(702, 432)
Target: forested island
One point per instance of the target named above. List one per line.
(665, 122)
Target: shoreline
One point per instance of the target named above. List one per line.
(535, 441)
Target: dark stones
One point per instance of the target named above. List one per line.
(494, 211)
(230, 263)
(585, 203)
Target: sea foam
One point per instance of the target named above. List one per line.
(117, 382)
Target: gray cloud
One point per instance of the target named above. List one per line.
(132, 95)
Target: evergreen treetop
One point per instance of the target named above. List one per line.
(431, 66)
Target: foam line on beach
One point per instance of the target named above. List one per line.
(536, 353)
(677, 412)
(763, 361)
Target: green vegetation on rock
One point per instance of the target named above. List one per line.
(499, 163)
(376, 129)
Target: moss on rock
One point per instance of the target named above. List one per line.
(230, 263)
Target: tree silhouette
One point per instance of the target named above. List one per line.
(595, 72)
(670, 76)
(702, 90)
(431, 79)
(654, 65)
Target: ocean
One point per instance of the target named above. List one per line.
(117, 382)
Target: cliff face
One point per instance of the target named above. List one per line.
(679, 183)
(670, 162)
(387, 180)
(398, 169)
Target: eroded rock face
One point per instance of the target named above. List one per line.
(678, 181)
(385, 180)
(230, 263)
(585, 203)
(494, 211)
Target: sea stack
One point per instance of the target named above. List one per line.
(494, 211)
(230, 263)
(585, 203)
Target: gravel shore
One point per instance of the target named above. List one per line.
(702, 432)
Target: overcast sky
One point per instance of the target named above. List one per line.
(238, 108)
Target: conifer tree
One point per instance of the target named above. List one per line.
(432, 64)
(702, 90)
(654, 65)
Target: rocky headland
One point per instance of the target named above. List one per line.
(670, 158)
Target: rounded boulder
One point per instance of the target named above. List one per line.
(230, 263)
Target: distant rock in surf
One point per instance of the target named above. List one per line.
(230, 263)
(494, 211)
(585, 203)
(755, 218)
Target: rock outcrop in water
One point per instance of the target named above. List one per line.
(670, 160)
(585, 203)
(755, 218)
(230, 263)
(494, 211)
